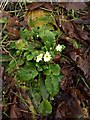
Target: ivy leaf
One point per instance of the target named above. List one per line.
(45, 107)
(27, 73)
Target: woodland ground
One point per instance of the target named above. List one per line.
(73, 99)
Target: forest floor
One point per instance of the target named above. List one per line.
(41, 90)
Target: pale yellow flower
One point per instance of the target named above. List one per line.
(59, 48)
(39, 57)
(47, 57)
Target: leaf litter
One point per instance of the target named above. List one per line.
(73, 100)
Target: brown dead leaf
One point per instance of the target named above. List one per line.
(12, 27)
(25, 24)
(86, 21)
(68, 73)
(13, 21)
(38, 12)
(68, 28)
(10, 85)
(82, 33)
(57, 58)
(69, 106)
(15, 111)
(13, 33)
(34, 5)
(83, 63)
(75, 31)
(48, 6)
(74, 5)
(5, 14)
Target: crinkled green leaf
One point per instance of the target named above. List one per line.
(21, 44)
(49, 85)
(27, 73)
(47, 71)
(43, 89)
(48, 38)
(49, 35)
(55, 80)
(45, 107)
(55, 69)
(52, 84)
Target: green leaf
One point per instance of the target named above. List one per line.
(11, 66)
(3, 20)
(5, 58)
(20, 62)
(48, 84)
(27, 73)
(47, 71)
(47, 43)
(31, 22)
(52, 84)
(21, 44)
(55, 69)
(24, 34)
(43, 89)
(49, 35)
(35, 53)
(37, 98)
(18, 52)
(45, 107)
(29, 57)
(12, 45)
(39, 67)
(55, 80)
(48, 38)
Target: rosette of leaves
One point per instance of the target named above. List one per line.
(42, 78)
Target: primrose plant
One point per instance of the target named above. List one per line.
(34, 64)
